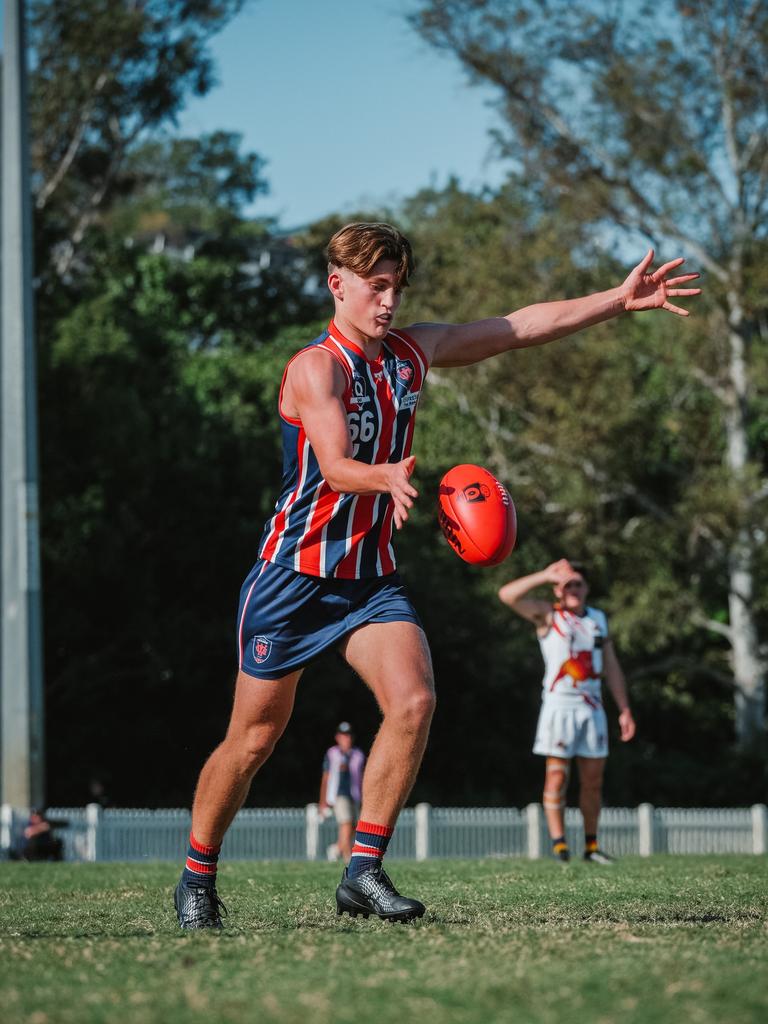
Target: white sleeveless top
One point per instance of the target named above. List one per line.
(573, 655)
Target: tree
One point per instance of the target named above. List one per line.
(157, 384)
(599, 439)
(194, 185)
(107, 75)
(159, 459)
(652, 120)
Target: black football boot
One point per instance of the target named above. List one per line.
(599, 857)
(372, 892)
(561, 852)
(198, 906)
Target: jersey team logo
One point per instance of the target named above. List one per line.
(359, 394)
(262, 648)
(405, 371)
(578, 667)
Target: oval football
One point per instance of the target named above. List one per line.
(477, 515)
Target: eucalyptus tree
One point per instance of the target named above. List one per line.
(652, 120)
(106, 76)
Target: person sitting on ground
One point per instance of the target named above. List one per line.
(39, 841)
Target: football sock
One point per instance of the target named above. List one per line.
(371, 843)
(202, 862)
(559, 845)
(590, 843)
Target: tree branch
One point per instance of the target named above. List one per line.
(676, 662)
(710, 383)
(698, 618)
(65, 163)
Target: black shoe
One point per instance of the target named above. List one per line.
(562, 855)
(198, 906)
(372, 892)
(598, 857)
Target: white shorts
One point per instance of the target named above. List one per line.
(346, 810)
(571, 729)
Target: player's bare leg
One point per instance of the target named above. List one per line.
(555, 788)
(393, 659)
(590, 791)
(591, 770)
(260, 713)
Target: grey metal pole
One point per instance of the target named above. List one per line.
(22, 671)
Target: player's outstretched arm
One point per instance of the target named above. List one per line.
(616, 682)
(313, 391)
(643, 289)
(513, 594)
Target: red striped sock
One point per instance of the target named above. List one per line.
(202, 863)
(371, 843)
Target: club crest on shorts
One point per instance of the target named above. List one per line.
(262, 648)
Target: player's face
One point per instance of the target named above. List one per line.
(344, 740)
(573, 594)
(366, 306)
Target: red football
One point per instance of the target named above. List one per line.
(477, 515)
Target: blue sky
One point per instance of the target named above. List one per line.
(348, 106)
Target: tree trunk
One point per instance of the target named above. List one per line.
(748, 669)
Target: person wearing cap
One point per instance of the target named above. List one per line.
(578, 653)
(341, 786)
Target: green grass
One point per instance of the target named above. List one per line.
(670, 939)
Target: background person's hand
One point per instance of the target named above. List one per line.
(560, 572)
(626, 725)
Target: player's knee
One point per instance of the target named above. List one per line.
(555, 787)
(416, 709)
(255, 745)
(591, 787)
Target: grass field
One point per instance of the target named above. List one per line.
(669, 939)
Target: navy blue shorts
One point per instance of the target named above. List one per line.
(286, 619)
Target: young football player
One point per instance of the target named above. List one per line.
(578, 652)
(326, 573)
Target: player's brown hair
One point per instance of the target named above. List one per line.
(359, 247)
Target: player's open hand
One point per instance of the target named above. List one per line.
(646, 290)
(402, 491)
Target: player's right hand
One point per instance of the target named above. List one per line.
(560, 572)
(402, 491)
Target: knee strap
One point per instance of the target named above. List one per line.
(554, 792)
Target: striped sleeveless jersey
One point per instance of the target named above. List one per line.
(316, 530)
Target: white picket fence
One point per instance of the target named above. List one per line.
(298, 833)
